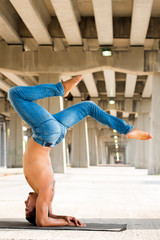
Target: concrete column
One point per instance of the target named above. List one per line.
(80, 146)
(93, 144)
(154, 160)
(54, 105)
(124, 156)
(130, 152)
(99, 143)
(102, 151)
(104, 155)
(67, 151)
(7, 142)
(121, 157)
(2, 144)
(15, 141)
(28, 133)
(141, 156)
(68, 139)
(112, 155)
(67, 155)
(131, 148)
(106, 150)
(129, 155)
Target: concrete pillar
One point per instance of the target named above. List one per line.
(112, 156)
(54, 105)
(154, 160)
(28, 133)
(124, 156)
(130, 152)
(99, 144)
(7, 142)
(131, 148)
(2, 144)
(106, 150)
(104, 156)
(68, 139)
(93, 144)
(67, 151)
(141, 156)
(67, 155)
(80, 146)
(15, 141)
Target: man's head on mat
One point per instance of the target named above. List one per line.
(30, 209)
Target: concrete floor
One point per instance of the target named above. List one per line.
(112, 194)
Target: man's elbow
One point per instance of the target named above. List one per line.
(41, 223)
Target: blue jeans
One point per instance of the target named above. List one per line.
(49, 130)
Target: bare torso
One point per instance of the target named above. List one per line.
(37, 165)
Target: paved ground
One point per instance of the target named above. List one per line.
(121, 195)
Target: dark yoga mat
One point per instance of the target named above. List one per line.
(90, 226)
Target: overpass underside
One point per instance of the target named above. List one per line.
(50, 40)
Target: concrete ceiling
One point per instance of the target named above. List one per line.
(88, 24)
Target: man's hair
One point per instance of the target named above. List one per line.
(32, 217)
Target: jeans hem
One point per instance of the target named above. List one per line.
(129, 129)
(43, 143)
(60, 85)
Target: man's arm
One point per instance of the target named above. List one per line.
(72, 221)
(42, 218)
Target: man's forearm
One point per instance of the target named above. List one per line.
(55, 216)
(53, 222)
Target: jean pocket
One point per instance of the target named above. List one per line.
(50, 125)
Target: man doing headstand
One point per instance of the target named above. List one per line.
(47, 131)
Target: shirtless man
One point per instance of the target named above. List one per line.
(48, 130)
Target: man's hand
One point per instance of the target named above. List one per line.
(72, 221)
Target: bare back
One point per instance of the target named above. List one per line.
(37, 166)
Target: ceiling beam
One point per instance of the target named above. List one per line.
(90, 84)
(2, 94)
(14, 78)
(136, 115)
(104, 21)
(33, 20)
(121, 26)
(147, 91)
(125, 114)
(33, 79)
(67, 18)
(130, 85)
(8, 29)
(113, 112)
(4, 86)
(109, 77)
(76, 10)
(140, 20)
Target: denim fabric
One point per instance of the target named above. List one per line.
(49, 130)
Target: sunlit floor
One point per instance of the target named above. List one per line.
(112, 194)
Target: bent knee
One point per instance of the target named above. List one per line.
(89, 102)
(12, 92)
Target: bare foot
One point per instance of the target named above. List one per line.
(138, 134)
(69, 84)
